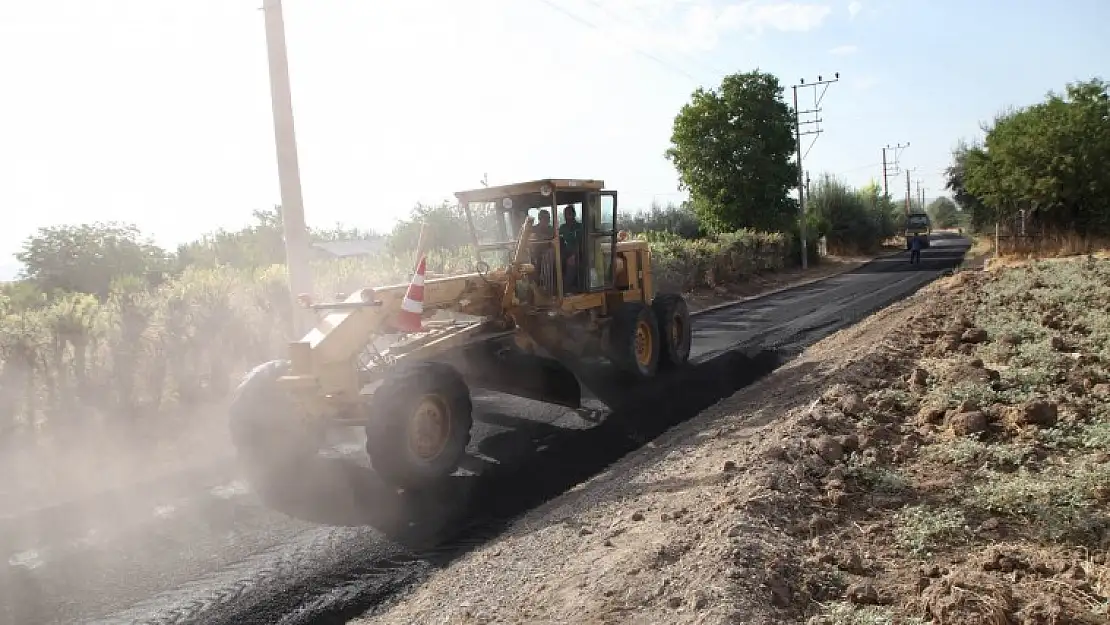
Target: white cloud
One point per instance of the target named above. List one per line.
(844, 50)
(854, 7)
(699, 25)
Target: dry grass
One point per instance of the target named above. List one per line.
(1050, 245)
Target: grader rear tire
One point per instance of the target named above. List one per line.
(265, 427)
(634, 341)
(419, 426)
(674, 329)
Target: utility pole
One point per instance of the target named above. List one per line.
(289, 176)
(798, 134)
(908, 191)
(920, 196)
(809, 191)
(890, 168)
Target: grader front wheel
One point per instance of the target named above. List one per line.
(268, 432)
(419, 425)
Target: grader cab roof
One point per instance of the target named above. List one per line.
(533, 187)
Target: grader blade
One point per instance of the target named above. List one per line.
(525, 375)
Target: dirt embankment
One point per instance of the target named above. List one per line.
(945, 461)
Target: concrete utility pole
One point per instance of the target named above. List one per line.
(908, 191)
(890, 168)
(798, 141)
(297, 244)
(919, 196)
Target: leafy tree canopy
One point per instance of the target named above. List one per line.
(260, 244)
(1047, 159)
(944, 213)
(733, 148)
(87, 258)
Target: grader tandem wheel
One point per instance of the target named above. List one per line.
(419, 413)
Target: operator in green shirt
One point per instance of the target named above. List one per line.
(570, 235)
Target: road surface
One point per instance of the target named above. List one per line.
(334, 542)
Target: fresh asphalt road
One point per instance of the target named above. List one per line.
(329, 544)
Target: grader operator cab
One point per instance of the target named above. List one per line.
(552, 273)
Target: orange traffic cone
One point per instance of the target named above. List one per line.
(412, 307)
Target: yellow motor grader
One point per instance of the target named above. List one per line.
(569, 288)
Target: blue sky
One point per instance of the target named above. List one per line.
(157, 112)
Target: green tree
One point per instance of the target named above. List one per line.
(978, 215)
(944, 213)
(853, 220)
(733, 148)
(447, 228)
(1047, 159)
(260, 244)
(678, 219)
(86, 258)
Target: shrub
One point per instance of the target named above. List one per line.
(852, 221)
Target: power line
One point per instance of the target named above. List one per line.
(647, 55)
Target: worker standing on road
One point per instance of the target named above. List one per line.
(915, 250)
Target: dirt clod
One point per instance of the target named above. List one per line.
(974, 336)
(930, 415)
(967, 423)
(863, 593)
(920, 377)
(1039, 413)
(829, 449)
(969, 599)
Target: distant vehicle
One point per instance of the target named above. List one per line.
(919, 224)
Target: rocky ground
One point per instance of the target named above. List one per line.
(944, 461)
